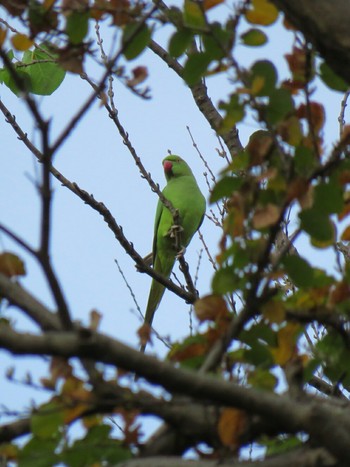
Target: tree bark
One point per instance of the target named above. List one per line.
(325, 24)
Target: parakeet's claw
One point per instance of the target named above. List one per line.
(181, 253)
(174, 231)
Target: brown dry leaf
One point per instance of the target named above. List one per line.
(120, 12)
(297, 188)
(210, 308)
(144, 333)
(95, 319)
(259, 147)
(3, 34)
(140, 73)
(266, 216)
(231, 426)
(297, 63)
(71, 58)
(345, 136)
(306, 199)
(11, 265)
(314, 113)
(339, 293)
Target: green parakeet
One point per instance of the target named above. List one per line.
(183, 193)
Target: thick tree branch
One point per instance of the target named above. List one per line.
(326, 25)
(305, 457)
(328, 425)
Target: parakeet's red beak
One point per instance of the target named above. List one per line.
(167, 166)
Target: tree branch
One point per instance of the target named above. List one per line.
(326, 25)
(328, 424)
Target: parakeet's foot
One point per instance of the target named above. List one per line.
(175, 230)
(181, 253)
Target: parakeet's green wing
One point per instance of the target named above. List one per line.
(184, 194)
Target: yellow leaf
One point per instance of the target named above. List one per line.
(194, 15)
(257, 85)
(286, 344)
(11, 265)
(21, 42)
(263, 12)
(232, 423)
(274, 312)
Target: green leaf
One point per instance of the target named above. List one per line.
(46, 423)
(7, 79)
(235, 112)
(331, 79)
(265, 72)
(299, 270)
(196, 67)
(280, 104)
(304, 161)
(254, 37)
(224, 281)
(45, 77)
(96, 447)
(77, 26)
(317, 225)
(38, 453)
(262, 379)
(136, 38)
(225, 187)
(179, 42)
(216, 42)
(328, 198)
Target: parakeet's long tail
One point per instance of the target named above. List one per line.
(155, 296)
(156, 293)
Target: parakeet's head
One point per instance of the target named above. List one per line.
(174, 166)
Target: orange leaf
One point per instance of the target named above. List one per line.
(21, 42)
(11, 265)
(210, 308)
(345, 236)
(207, 4)
(232, 423)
